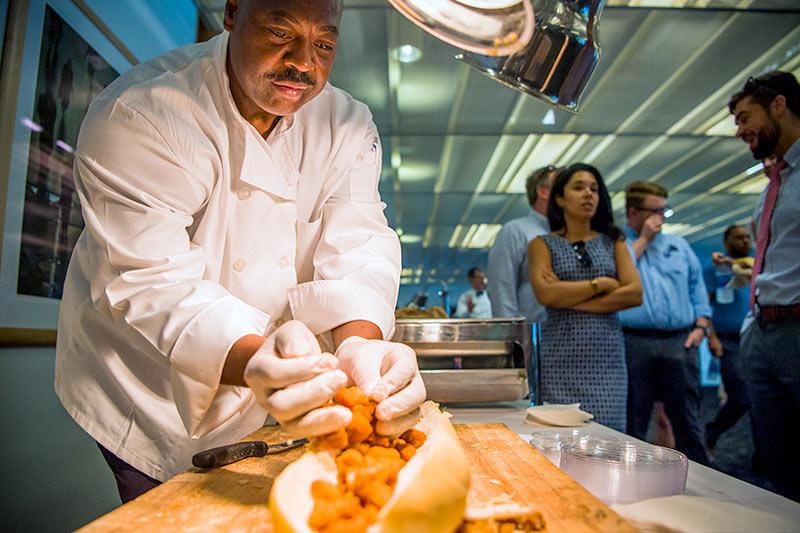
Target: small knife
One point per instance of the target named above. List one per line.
(225, 455)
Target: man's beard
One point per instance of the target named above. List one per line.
(767, 140)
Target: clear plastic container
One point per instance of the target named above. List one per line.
(549, 443)
(625, 471)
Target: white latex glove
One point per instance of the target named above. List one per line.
(387, 372)
(292, 379)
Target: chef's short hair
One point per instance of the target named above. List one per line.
(473, 272)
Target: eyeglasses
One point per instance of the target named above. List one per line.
(665, 211)
(582, 254)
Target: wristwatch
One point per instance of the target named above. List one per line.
(595, 286)
(706, 329)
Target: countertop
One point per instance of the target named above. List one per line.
(702, 480)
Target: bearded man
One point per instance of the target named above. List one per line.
(767, 113)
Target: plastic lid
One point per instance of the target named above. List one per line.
(625, 453)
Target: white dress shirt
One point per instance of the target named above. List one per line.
(482, 309)
(199, 232)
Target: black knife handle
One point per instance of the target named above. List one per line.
(225, 455)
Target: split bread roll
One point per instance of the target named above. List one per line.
(430, 494)
(743, 266)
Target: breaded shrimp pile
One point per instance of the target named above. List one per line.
(367, 465)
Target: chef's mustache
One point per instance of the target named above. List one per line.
(293, 75)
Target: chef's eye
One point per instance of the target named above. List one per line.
(325, 46)
(279, 34)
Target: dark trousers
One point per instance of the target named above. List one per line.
(660, 368)
(736, 404)
(131, 483)
(771, 369)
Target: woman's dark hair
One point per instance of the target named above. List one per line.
(603, 219)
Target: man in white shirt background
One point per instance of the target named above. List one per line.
(507, 268)
(474, 303)
(232, 221)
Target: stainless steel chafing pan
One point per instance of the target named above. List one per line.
(472, 360)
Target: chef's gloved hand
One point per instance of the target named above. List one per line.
(292, 379)
(387, 372)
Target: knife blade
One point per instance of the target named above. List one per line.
(230, 453)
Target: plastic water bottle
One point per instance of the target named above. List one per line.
(724, 294)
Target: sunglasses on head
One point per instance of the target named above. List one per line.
(581, 253)
(757, 84)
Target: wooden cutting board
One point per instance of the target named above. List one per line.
(233, 498)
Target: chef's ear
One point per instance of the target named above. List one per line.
(230, 9)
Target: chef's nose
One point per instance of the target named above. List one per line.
(300, 54)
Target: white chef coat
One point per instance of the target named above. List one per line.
(198, 232)
(482, 309)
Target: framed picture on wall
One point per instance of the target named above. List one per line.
(3, 16)
(66, 62)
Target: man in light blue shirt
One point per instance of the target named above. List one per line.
(663, 334)
(767, 113)
(509, 287)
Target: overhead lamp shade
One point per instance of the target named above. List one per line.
(488, 27)
(560, 58)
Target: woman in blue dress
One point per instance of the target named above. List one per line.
(583, 274)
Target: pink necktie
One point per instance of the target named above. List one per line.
(762, 239)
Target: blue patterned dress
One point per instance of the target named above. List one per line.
(583, 354)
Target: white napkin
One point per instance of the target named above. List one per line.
(559, 415)
(693, 514)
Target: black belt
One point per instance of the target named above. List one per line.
(778, 313)
(657, 333)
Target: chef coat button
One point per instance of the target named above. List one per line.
(239, 265)
(283, 263)
(360, 157)
(244, 194)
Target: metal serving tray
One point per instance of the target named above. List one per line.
(470, 360)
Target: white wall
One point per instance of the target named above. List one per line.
(52, 474)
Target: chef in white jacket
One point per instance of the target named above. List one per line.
(230, 196)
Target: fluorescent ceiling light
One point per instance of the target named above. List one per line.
(599, 149)
(31, 125)
(407, 53)
(566, 158)
(725, 127)
(468, 237)
(416, 171)
(547, 151)
(549, 118)
(755, 168)
(409, 238)
(483, 236)
(678, 228)
(618, 201)
(752, 186)
(518, 161)
(456, 236)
